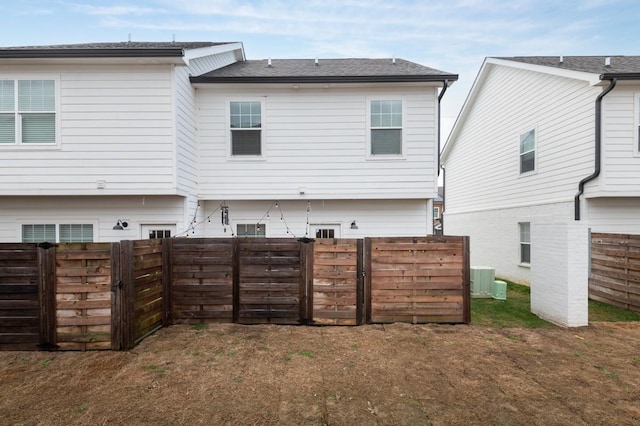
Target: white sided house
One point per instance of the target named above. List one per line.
(544, 151)
(319, 148)
(112, 141)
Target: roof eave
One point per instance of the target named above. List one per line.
(328, 79)
(90, 53)
(620, 76)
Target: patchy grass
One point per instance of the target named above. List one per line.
(599, 311)
(516, 311)
(513, 312)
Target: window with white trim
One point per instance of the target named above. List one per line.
(27, 112)
(63, 233)
(245, 122)
(386, 127)
(528, 151)
(251, 230)
(525, 242)
(436, 212)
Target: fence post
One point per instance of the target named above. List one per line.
(466, 280)
(127, 293)
(47, 295)
(116, 298)
(235, 266)
(167, 266)
(306, 280)
(367, 280)
(360, 300)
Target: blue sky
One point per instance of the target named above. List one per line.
(453, 35)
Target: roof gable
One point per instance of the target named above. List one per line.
(592, 69)
(324, 71)
(589, 64)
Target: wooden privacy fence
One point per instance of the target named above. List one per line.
(615, 270)
(113, 295)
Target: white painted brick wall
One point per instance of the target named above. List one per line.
(559, 272)
(495, 235)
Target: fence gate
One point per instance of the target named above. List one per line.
(271, 279)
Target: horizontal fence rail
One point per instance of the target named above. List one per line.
(112, 295)
(615, 270)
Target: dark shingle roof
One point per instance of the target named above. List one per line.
(325, 71)
(619, 65)
(101, 50)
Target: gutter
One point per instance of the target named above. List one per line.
(91, 53)
(442, 92)
(324, 79)
(598, 143)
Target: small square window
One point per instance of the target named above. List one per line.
(39, 233)
(76, 233)
(250, 230)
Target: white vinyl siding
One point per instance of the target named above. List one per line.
(27, 111)
(482, 166)
(186, 114)
(386, 127)
(620, 157)
(116, 124)
(377, 218)
(317, 139)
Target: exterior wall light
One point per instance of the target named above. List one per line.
(120, 225)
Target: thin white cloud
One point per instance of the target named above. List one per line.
(121, 10)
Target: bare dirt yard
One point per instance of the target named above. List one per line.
(397, 374)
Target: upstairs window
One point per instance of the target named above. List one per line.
(27, 112)
(528, 151)
(246, 128)
(525, 242)
(386, 127)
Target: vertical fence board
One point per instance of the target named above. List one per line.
(117, 299)
(47, 292)
(615, 270)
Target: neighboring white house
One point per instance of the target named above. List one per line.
(93, 134)
(522, 177)
(190, 139)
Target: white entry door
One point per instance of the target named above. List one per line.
(324, 230)
(158, 231)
